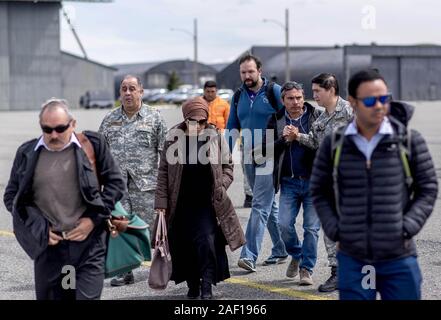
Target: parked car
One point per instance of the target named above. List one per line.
(225, 94)
(97, 99)
(150, 94)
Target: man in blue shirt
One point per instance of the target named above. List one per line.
(250, 115)
(292, 169)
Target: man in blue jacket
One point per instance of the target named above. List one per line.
(374, 185)
(250, 115)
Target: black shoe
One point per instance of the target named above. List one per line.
(123, 279)
(206, 292)
(331, 284)
(248, 201)
(193, 289)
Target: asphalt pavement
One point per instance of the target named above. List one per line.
(268, 283)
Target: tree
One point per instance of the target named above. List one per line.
(173, 81)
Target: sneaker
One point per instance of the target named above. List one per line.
(293, 269)
(123, 279)
(275, 260)
(247, 264)
(305, 278)
(248, 201)
(331, 284)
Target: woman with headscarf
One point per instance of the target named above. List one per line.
(195, 171)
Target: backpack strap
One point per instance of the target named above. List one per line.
(235, 99)
(271, 96)
(337, 138)
(404, 145)
(88, 149)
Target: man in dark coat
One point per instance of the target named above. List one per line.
(363, 192)
(59, 207)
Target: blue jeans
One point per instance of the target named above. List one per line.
(293, 193)
(264, 212)
(398, 279)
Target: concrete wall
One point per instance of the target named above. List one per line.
(79, 76)
(4, 57)
(34, 53)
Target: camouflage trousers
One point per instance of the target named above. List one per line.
(331, 249)
(140, 202)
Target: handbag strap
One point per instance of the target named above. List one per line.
(161, 230)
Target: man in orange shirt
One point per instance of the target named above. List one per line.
(218, 108)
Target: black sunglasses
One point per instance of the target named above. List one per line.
(372, 101)
(201, 122)
(58, 129)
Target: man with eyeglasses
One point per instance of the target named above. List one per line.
(292, 170)
(374, 185)
(54, 193)
(136, 135)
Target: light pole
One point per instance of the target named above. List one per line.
(286, 28)
(194, 35)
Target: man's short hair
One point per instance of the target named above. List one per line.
(138, 80)
(290, 85)
(54, 103)
(363, 76)
(247, 57)
(210, 84)
(327, 81)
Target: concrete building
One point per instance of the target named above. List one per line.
(412, 72)
(32, 67)
(157, 74)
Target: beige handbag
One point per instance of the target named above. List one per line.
(161, 268)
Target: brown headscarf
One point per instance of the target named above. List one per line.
(195, 108)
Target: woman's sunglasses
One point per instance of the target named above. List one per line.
(200, 122)
(58, 129)
(372, 101)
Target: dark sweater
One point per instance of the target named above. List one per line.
(293, 162)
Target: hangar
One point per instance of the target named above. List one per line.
(32, 66)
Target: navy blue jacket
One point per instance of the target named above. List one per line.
(378, 219)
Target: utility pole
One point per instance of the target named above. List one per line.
(195, 63)
(285, 27)
(194, 35)
(287, 71)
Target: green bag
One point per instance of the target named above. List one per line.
(128, 249)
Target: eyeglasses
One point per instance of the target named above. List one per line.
(372, 101)
(200, 122)
(58, 129)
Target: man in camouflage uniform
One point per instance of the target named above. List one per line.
(136, 134)
(338, 112)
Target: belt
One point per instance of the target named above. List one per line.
(62, 234)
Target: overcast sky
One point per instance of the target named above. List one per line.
(128, 31)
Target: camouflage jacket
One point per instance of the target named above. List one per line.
(136, 143)
(326, 123)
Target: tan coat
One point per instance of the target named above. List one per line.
(169, 181)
